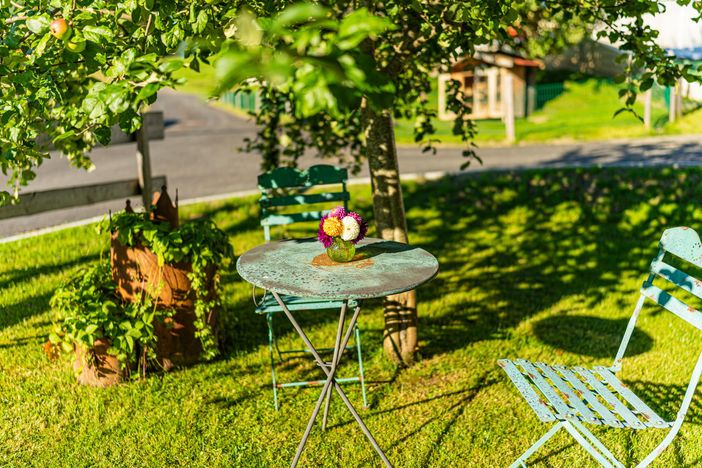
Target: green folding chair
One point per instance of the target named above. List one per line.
(569, 397)
(285, 200)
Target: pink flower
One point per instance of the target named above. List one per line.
(337, 212)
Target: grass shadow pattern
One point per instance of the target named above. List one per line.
(525, 259)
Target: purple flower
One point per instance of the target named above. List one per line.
(322, 236)
(337, 212)
(362, 225)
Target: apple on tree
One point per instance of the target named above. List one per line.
(59, 29)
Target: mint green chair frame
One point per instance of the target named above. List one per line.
(569, 397)
(281, 189)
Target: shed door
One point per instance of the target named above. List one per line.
(487, 99)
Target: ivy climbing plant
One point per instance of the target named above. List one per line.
(199, 243)
(86, 308)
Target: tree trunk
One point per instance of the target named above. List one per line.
(400, 336)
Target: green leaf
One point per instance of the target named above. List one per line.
(170, 65)
(646, 84)
(64, 136)
(358, 26)
(39, 24)
(232, 68)
(103, 135)
(41, 45)
(147, 91)
(300, 13)
(249, 33)
(200, 22)
(97, 34)
(116, 98)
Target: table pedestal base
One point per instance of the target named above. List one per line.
(329, 369)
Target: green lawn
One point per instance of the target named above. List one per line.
(540, 265)
(583, 112)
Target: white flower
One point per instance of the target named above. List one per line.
(351, 228)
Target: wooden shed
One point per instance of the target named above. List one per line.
(487, 79)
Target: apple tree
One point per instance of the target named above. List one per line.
(70, 70)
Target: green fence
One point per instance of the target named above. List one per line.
(244, 100)
(546, 92)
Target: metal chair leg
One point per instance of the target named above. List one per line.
(271, 339)
(335, 361)
(587, 446)
(521, 461)
(360, 367)
(596, 442)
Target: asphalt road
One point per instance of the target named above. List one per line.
(200, 156)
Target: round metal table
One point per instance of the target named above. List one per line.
(300, 267)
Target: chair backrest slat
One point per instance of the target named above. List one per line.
(674, 305)
(290, 177)
(276, 187)
(292, 200)
(677, 277)
(683, 243)
(290, 218)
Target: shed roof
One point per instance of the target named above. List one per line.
(496, 56)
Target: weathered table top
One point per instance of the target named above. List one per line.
(300, 267)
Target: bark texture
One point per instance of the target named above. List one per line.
(400, 335)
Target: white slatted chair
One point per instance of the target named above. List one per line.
(569, 397)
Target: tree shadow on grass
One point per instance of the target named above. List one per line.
(31, 305)
(590, 336)
(34, 339)
(25, 274)
(12, 314)
(511, 245)
(665, 400)
(447, 417)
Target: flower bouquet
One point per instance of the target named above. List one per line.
(340, 231)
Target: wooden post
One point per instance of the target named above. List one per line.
(508, 101)
(673, 104)
(647, 108)
(144, 164)
(493, 80)
(443, 112)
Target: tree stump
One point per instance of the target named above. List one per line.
(95, 367)
(136, 272)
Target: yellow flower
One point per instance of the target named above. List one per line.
(333, 227)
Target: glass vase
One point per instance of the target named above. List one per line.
(341, 251)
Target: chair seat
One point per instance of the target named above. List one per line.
(593, 396)
(269, 305)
